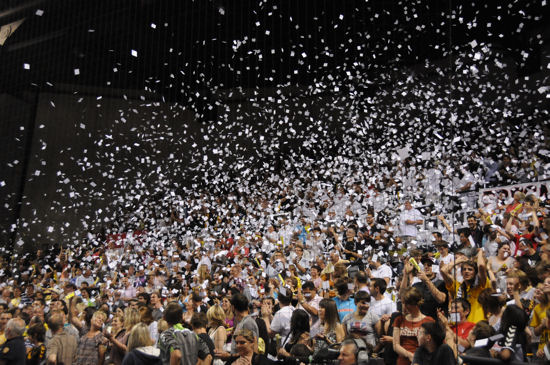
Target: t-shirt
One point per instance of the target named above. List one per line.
(383, 306)
(368, 322)
(344, 307)
(408, 335)
(281, 321)
(442, 355)
(250, 324)
(463, 329)
(203, 337)
(471, 294)
(539, 313)
(64, 346)
(430, 305)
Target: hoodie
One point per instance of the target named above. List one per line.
(143, 356)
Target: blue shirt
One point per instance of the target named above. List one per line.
(344, 307)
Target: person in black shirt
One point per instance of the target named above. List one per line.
(198, 324)
(13, 351)
(475, 231)
(433, 290)
(432, 350)
(352, 249)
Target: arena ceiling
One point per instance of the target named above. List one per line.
(176, 48)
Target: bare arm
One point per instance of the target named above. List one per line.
(221, 338)
(445, 223)
(436, 293)
(482, 267)
(340, 333)
(446, 274)
(175, 357)
(397, 345)
(102, 350)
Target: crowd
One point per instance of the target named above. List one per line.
(311, 277)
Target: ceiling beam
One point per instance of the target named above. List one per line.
(20, 11)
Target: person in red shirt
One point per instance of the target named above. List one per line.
(457, 323)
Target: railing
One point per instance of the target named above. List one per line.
(460, 218)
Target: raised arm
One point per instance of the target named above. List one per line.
(445, 223)
(482, 266)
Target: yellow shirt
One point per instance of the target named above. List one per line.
(539, 313)
(476, 312)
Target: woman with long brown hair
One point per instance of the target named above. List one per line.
(328, 330)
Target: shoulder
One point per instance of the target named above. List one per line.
(427, 319)
(398, 322)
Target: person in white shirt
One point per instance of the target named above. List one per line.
(379, 269)
(85, 277)
(309, 301)
(280, 324)
(409, 219)
(381, 305)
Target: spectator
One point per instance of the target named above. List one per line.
(457, 324)
(344, 303)
(409, 219)
(37, 335)
(13, 351)
(407, 327)
(140, 349)
(92, 346)
(329, 330)
(474, 282)
(62, 347)
(198, 324)
(431, 349)
(362, 319)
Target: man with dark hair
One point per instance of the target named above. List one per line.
(4, 318)
(309, 301)
(143, 298)
(178, 345)
(344, 303)
(381, 305)
(198, 305)
(433, 289)
(361, 282)
(432, 350)
(362, 321)
(475, 232)
(281, 320)
(242, 320)
(198, 324)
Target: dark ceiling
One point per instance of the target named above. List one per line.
(184, 46)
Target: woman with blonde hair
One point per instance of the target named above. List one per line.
(131, 318)
(117, 333)
(216, 321)
(91, 347)
(140, 348)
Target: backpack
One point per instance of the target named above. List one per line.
(187, 342)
